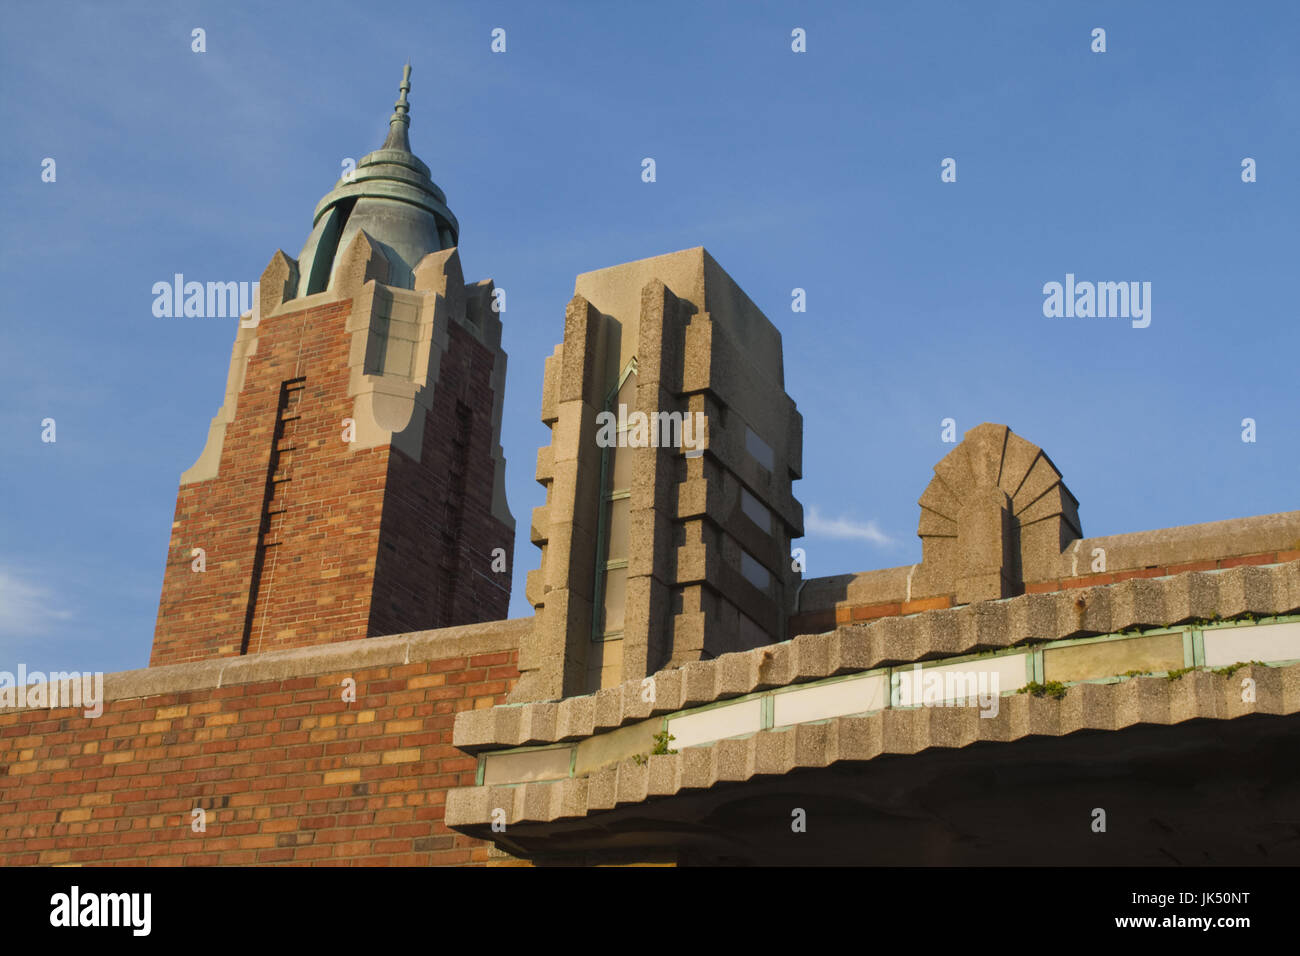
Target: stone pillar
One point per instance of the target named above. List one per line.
(677, 549)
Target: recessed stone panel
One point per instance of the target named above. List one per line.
(1266, 642)
(856, 696)
(954, 681)
(604, 749)
(717, 723)
(1163, 652)
(551, 764)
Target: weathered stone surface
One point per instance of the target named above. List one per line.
(1098, 707)
(994, 516)
(668, 336)
(989, 625)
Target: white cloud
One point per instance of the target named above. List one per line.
(815, 524)
(26, 609)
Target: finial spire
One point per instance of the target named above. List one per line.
(401, 119)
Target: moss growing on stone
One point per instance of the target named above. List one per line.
(1052, 688)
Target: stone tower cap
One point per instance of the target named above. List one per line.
(390, 196)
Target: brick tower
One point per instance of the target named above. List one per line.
(352, 483)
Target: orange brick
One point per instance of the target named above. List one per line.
(402, 756)
(1087, 581)
(427, 680)
(1139, 573)
(872, 611)
(927, 604)
(1247, 560)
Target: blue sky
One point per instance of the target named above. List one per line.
(817, 170)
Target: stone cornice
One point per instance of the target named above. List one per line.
(1098, 707)
(984, 626)
(463, 641)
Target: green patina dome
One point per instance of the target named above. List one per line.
(391, 197)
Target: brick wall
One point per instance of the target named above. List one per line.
(286, 771)
(265, 536)
(434, 567)
(311, 540)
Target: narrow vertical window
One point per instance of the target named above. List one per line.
(615, 501)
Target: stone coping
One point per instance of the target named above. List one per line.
(1132, 551)
(1213, 540)
(1262, 590)
(1096, 707)
(463, 641)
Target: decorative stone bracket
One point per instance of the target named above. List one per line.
(996, 513)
